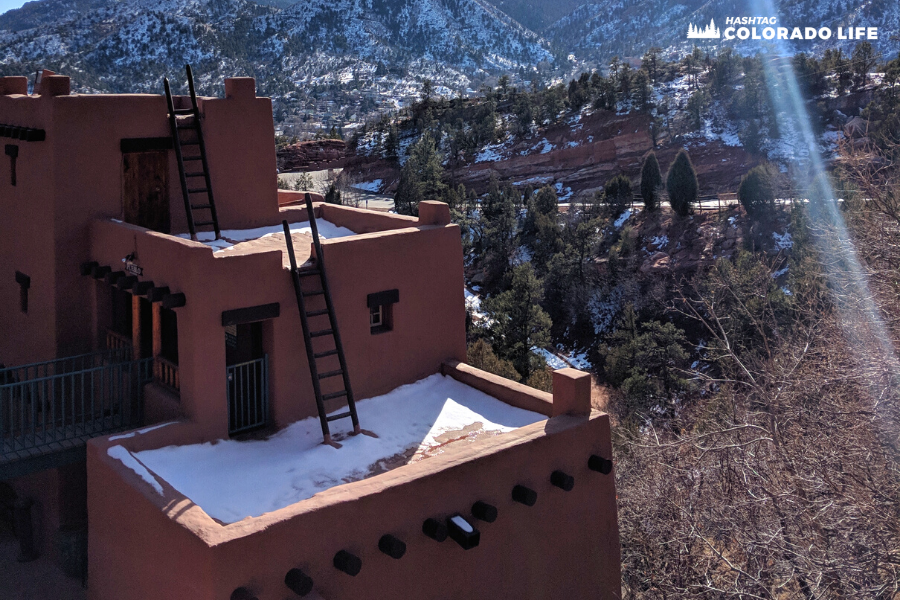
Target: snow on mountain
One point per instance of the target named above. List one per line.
(628, 27)
(129, 44)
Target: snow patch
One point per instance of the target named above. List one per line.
(232, 480)
(122, 454)
(230, 237)
(783, 241)
(622, 218)
(368, 186)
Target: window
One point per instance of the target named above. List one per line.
(381, 306)
(376, 316)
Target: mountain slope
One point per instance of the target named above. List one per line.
(629, 27)
(119, 46)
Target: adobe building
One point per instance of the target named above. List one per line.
(170, 377)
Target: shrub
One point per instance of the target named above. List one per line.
(755, 192)
(681, 183)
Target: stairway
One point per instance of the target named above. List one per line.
(317, 336)
(195, 183)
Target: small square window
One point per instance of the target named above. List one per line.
(380, 318)
(376, 316)
(381, 309)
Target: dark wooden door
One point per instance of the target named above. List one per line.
(145, 198)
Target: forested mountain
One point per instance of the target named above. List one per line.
(111, 45)
(127, 46)
(629, 27)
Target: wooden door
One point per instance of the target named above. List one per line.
(145, 198)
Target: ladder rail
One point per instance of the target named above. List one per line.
(301, 305)
(176, 142)
(332, 319)
(199, 130)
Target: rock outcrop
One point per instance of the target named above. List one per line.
(312, 156)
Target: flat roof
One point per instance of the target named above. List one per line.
(238, 242)
(232, 480)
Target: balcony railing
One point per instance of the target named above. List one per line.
(54, 405)
(166, 373)
(117, 341)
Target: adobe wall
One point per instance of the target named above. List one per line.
(26, 236)
(76, 175)
(424, 264)
(143, 545)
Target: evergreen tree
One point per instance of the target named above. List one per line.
(644, 360)
(696, 107)
(642, 90)
(333, 195)
(420, 178)
(651, 182)
(500, 234)
(681, 184)
(755, 192)
(863, 59)
(392, 143)
(650, 62)
(618, 194)
(519, 322)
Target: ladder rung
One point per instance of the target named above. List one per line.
(184, 158)
(194, 143)
(200, 206)
(308, 273)
(203, 223)
(342, 415)
(197, 190)
(317, 313)
(328, 374)
(334, 395)
(321, 333)
(326, 353)
(184, 111)
(200, 174)
(318, 293)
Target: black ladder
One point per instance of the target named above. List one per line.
(331, 331)
(197, 196)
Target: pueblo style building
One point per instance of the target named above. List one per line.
(176, 354)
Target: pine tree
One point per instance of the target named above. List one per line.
(618, 194)
(681, 184)
(755, 192)
(333, 195)
(420, 178)
(392, 143)
(651, 181)
(519, 322)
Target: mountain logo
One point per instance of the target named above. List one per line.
(710, 33)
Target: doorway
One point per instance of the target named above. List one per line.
(145, 194)
(247, 371)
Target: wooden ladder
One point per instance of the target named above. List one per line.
(187, 133)
(322, 335)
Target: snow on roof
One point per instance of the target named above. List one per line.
(230, 237)
(232, 480)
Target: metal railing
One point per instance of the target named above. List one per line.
(45, 405)
(248, 395)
